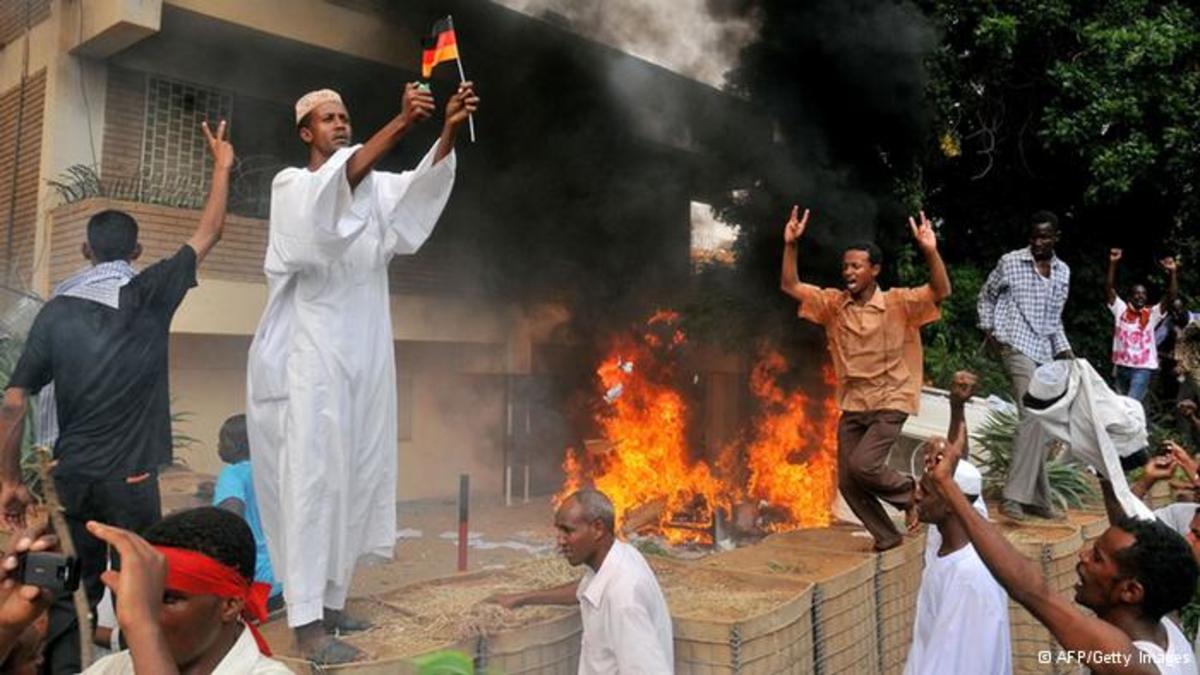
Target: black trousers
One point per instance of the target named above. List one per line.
(118, 502)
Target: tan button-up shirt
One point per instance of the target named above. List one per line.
(876, 346)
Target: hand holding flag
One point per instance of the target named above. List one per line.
(442, 46)
(462, 105)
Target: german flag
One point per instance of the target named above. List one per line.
(439, 47)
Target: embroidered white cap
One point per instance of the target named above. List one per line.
(968, 478)
(312, 99)
(1049, 380)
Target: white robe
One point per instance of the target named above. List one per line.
(961, 623)
(321, 381)
(1100, 426)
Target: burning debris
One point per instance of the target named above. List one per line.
(780, 474)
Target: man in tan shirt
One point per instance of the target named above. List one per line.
(875, 344)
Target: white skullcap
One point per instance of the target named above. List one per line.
(968, 478)
(313, 99)
(1049, 381)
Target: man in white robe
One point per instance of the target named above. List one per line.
(962, 613)
(321, 399)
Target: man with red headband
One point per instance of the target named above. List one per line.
(187, 601)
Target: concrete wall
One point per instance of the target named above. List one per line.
(454, 394)
(318, 23)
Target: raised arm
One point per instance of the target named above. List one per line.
(138, 589)
(1172, 267)
(1024, 582)
(14, 497)
(1110, 281)
(962, 387)
(212, 219)
(415, 106)
(789, 277)
(939, 280)
(458, 110)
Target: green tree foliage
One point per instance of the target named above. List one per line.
(1087, 109)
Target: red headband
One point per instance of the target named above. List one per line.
(197, 574)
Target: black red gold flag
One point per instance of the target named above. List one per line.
(441, 46)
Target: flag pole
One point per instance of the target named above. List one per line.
(462, 77)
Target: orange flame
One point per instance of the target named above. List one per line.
(789, 457)
(792, 458)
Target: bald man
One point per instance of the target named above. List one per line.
(626, 624)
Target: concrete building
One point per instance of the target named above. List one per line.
(100, 105)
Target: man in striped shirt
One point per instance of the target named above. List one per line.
(1020, 311)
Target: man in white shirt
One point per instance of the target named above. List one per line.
(1134, 575)
(962, 613)
(626, 624)
(1135, 350)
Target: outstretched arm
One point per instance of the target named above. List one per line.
(558, 595)
(212, 219)
(962, 388)
(1172, 267)
(1024, 582)
(458, 110)
(789, 278)
(1110, 282)
(415, 106)
(939, 280)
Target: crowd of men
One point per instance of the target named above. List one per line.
(286, 529)
(190, 589)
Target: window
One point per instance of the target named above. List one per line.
(175, 160)
(712, 240)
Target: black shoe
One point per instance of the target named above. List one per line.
(1013, 510)
(333, 652)
(1050, 513)
(341, 623)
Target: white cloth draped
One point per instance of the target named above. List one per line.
(321, 389)
(1100, 426)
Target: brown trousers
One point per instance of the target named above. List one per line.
(864, 442)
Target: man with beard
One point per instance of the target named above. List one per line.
(1020, 311)
(1135, 351)
(321, 380)
(626, 624)
(875, 344)
(1132, 577)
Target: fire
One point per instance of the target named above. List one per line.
(792, 458)
(645, 466)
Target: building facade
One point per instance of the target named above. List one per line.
(100, 106)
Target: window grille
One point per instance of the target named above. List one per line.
(176, 166)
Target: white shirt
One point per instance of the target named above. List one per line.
(1133, 344)
(1177, 659)
(962, 619)
(626, 623)
(241, 659)
(1178, 517)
